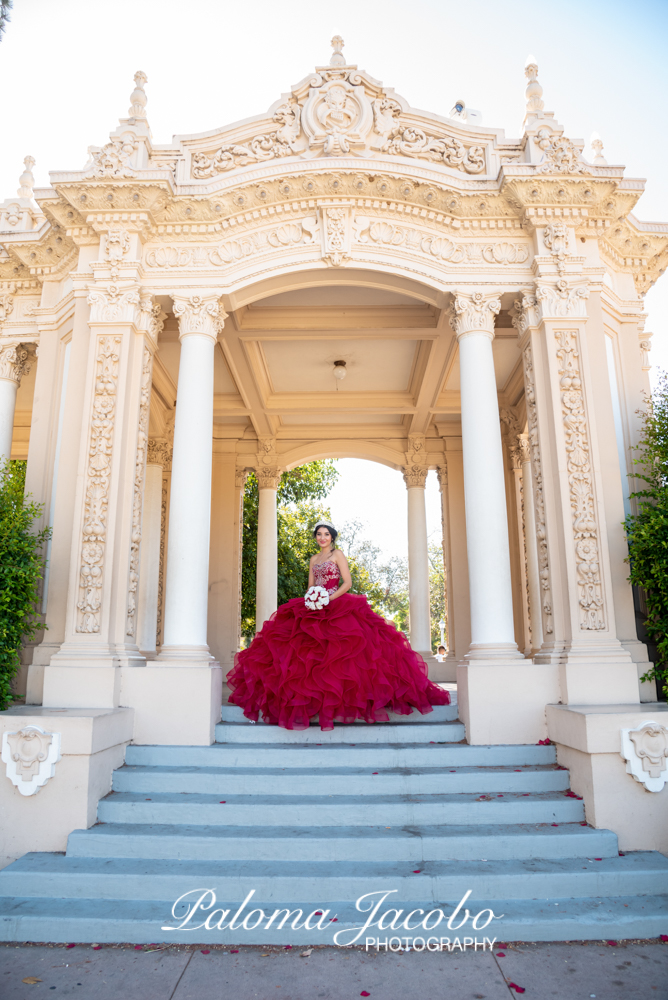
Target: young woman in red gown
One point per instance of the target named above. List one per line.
(342, 662)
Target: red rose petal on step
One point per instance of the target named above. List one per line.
(598, 859)
(613, 944)
(96, 947)
(374, 772)
(334, 920)
(663, 937)
(499, 796)
(555, 824)
(71, 946)
(205, 951)
(139, 947)
(365, 994)
(432, 741)
(234, 951)
(502, 944)
(222, 802)
(318, 913)
(500, 954)
(525, 795)
(287, 947)
(583, 824)
(417, 871)
(518, 989)
(519, 770)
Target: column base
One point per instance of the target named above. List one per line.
(501, 651)
(174, 703)
(504, 702)
(184, 656)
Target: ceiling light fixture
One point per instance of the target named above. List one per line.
(340, 370)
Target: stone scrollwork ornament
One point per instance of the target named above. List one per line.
(645, 751)
(31, 756)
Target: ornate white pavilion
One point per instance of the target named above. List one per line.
(170, 319)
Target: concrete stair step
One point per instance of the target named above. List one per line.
(340, 810)
(439, 713)
(373, 757)
(139, 921)
(338, 781)
(49, 875)
(343, 843)
(380, 732)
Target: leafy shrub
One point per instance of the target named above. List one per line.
(21, 569)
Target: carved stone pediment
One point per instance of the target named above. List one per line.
(31, 755)
(645, 750)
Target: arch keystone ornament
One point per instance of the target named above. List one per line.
(31, 755)
(645, 751)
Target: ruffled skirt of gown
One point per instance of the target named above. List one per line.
(341, 663)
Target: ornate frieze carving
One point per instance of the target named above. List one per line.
(559, 301)
(112, 303)
(560, 155)
(199, 314)
(343, 111)
(473, 312)
(305, 231)
(15, 362)
(138, 491)
(555, 238)
(96, 488)
(240, 477)
(645, 346)
(114, 159)
(116, 245)
(533, 445)
(416, 468)
(31, 756)
(580, 482)
(335, 234)
(369, 230)
(510, 428)
(645, 750)
(6, 306)
(526, 312)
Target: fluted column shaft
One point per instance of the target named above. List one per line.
(266, 580)
(418, 563)
(185, 634)
(492, 626)
(149, 567)
(14, 364)
(531, 545)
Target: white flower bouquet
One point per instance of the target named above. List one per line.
(316, 598)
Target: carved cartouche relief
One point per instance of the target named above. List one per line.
(30, 756)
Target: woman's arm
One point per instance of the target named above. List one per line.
(342, 563)
(310, 571)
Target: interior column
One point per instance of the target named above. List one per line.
(14, 364)
(149, 566)
(531, 545)
(418, 562)
(266, 580)
(492, 627)
(185, 634)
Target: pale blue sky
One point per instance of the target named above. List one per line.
(66, 73)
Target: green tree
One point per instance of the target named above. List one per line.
(647, 530)
(436, 592)
(297, 499)
(21, 569)
(5, 7)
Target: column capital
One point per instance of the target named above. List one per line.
(268, 478)
(442, 473)
(415, 477)
(474, 312)
(199, 314)
(159, 452)
(15, 362)
(524, 447)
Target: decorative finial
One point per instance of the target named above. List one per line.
(26, 180)
(138, 96)
(338, 58)
(597, 146)
(534, 91)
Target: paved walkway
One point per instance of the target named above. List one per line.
(626, 971)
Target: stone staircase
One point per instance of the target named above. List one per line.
(313, 821)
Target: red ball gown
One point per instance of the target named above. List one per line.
(343, 662)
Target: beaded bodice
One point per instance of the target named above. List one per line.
(326, 575)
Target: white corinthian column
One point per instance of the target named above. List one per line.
(418, 560)
(266, 580)
(14, 364)
(492, 627)
(185, 634)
